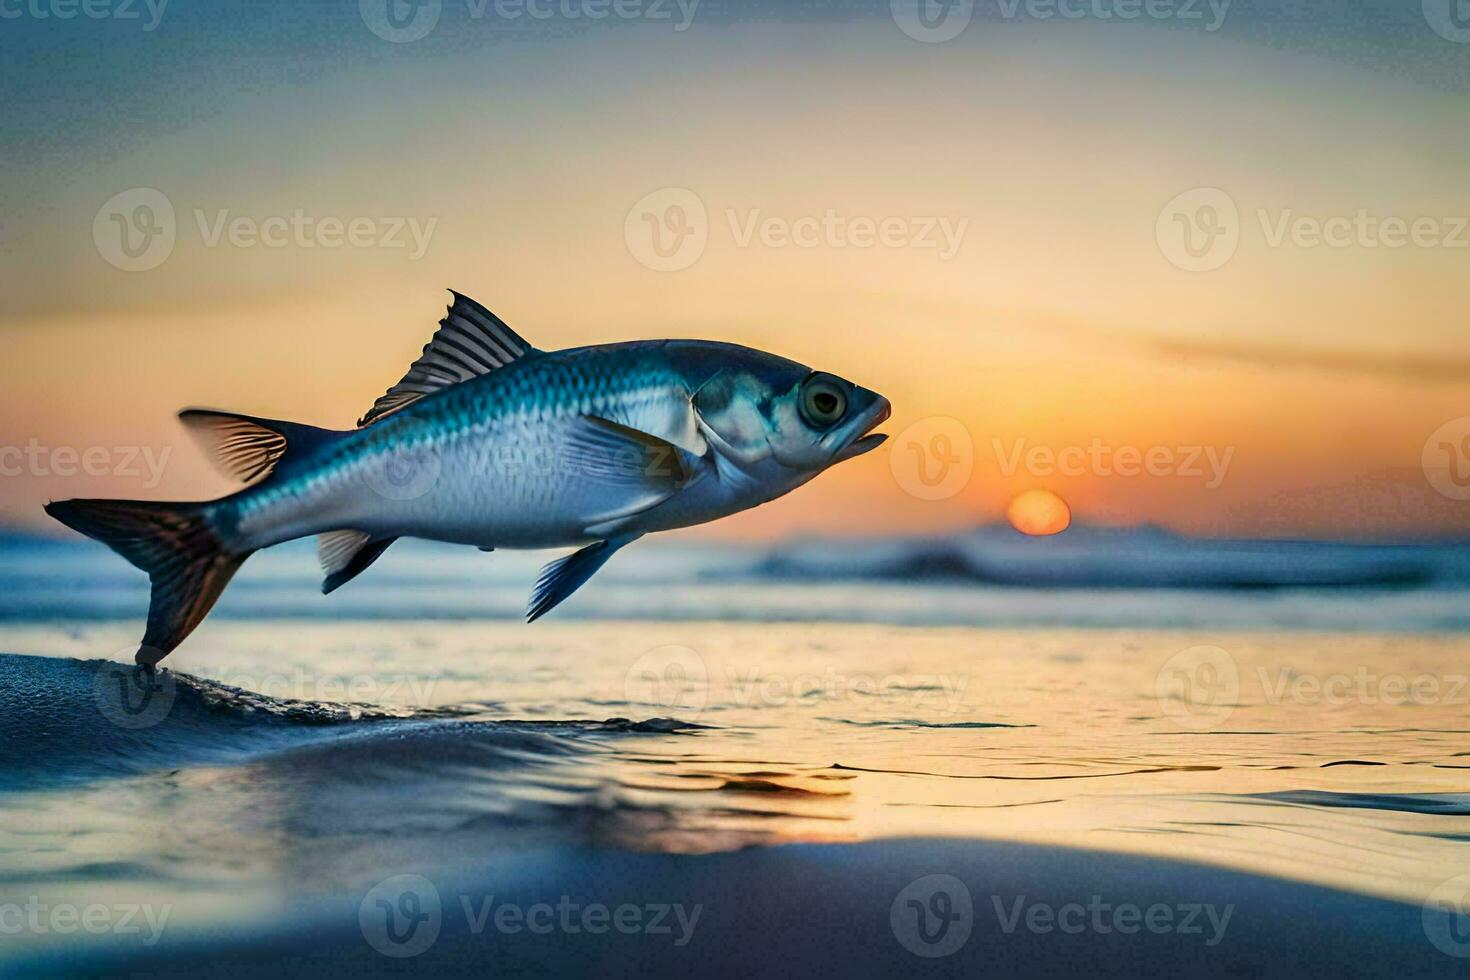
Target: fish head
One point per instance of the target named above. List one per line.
(788, 417)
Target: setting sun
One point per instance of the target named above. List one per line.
(1039, 512)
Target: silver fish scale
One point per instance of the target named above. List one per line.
(480, 463)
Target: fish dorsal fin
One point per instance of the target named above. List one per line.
(246, 447)
(470, 341)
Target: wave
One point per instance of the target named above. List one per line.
(67, 720)
(1086, 577)
(1447, 804)
(1145, 557)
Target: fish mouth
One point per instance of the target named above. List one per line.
(868, 439)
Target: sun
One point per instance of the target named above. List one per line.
(1039, 512)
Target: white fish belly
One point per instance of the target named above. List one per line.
(506, 487)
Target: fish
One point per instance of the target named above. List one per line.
(490, 442)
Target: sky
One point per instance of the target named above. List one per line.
(1206, 272)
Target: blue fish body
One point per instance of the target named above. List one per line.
(490, 442)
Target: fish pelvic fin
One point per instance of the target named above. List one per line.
(471, 341)
(346, 554)
(245, 447)
(566, 575)
(175, 543)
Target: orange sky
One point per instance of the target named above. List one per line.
(1059, 321)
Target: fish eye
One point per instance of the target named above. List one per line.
(823, 400)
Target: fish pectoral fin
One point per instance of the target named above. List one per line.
(627, 460)
(564, 576)
(346, 554)
(471, 341)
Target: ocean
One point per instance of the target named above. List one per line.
(853, 757)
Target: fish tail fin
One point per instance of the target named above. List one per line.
(176, 544)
